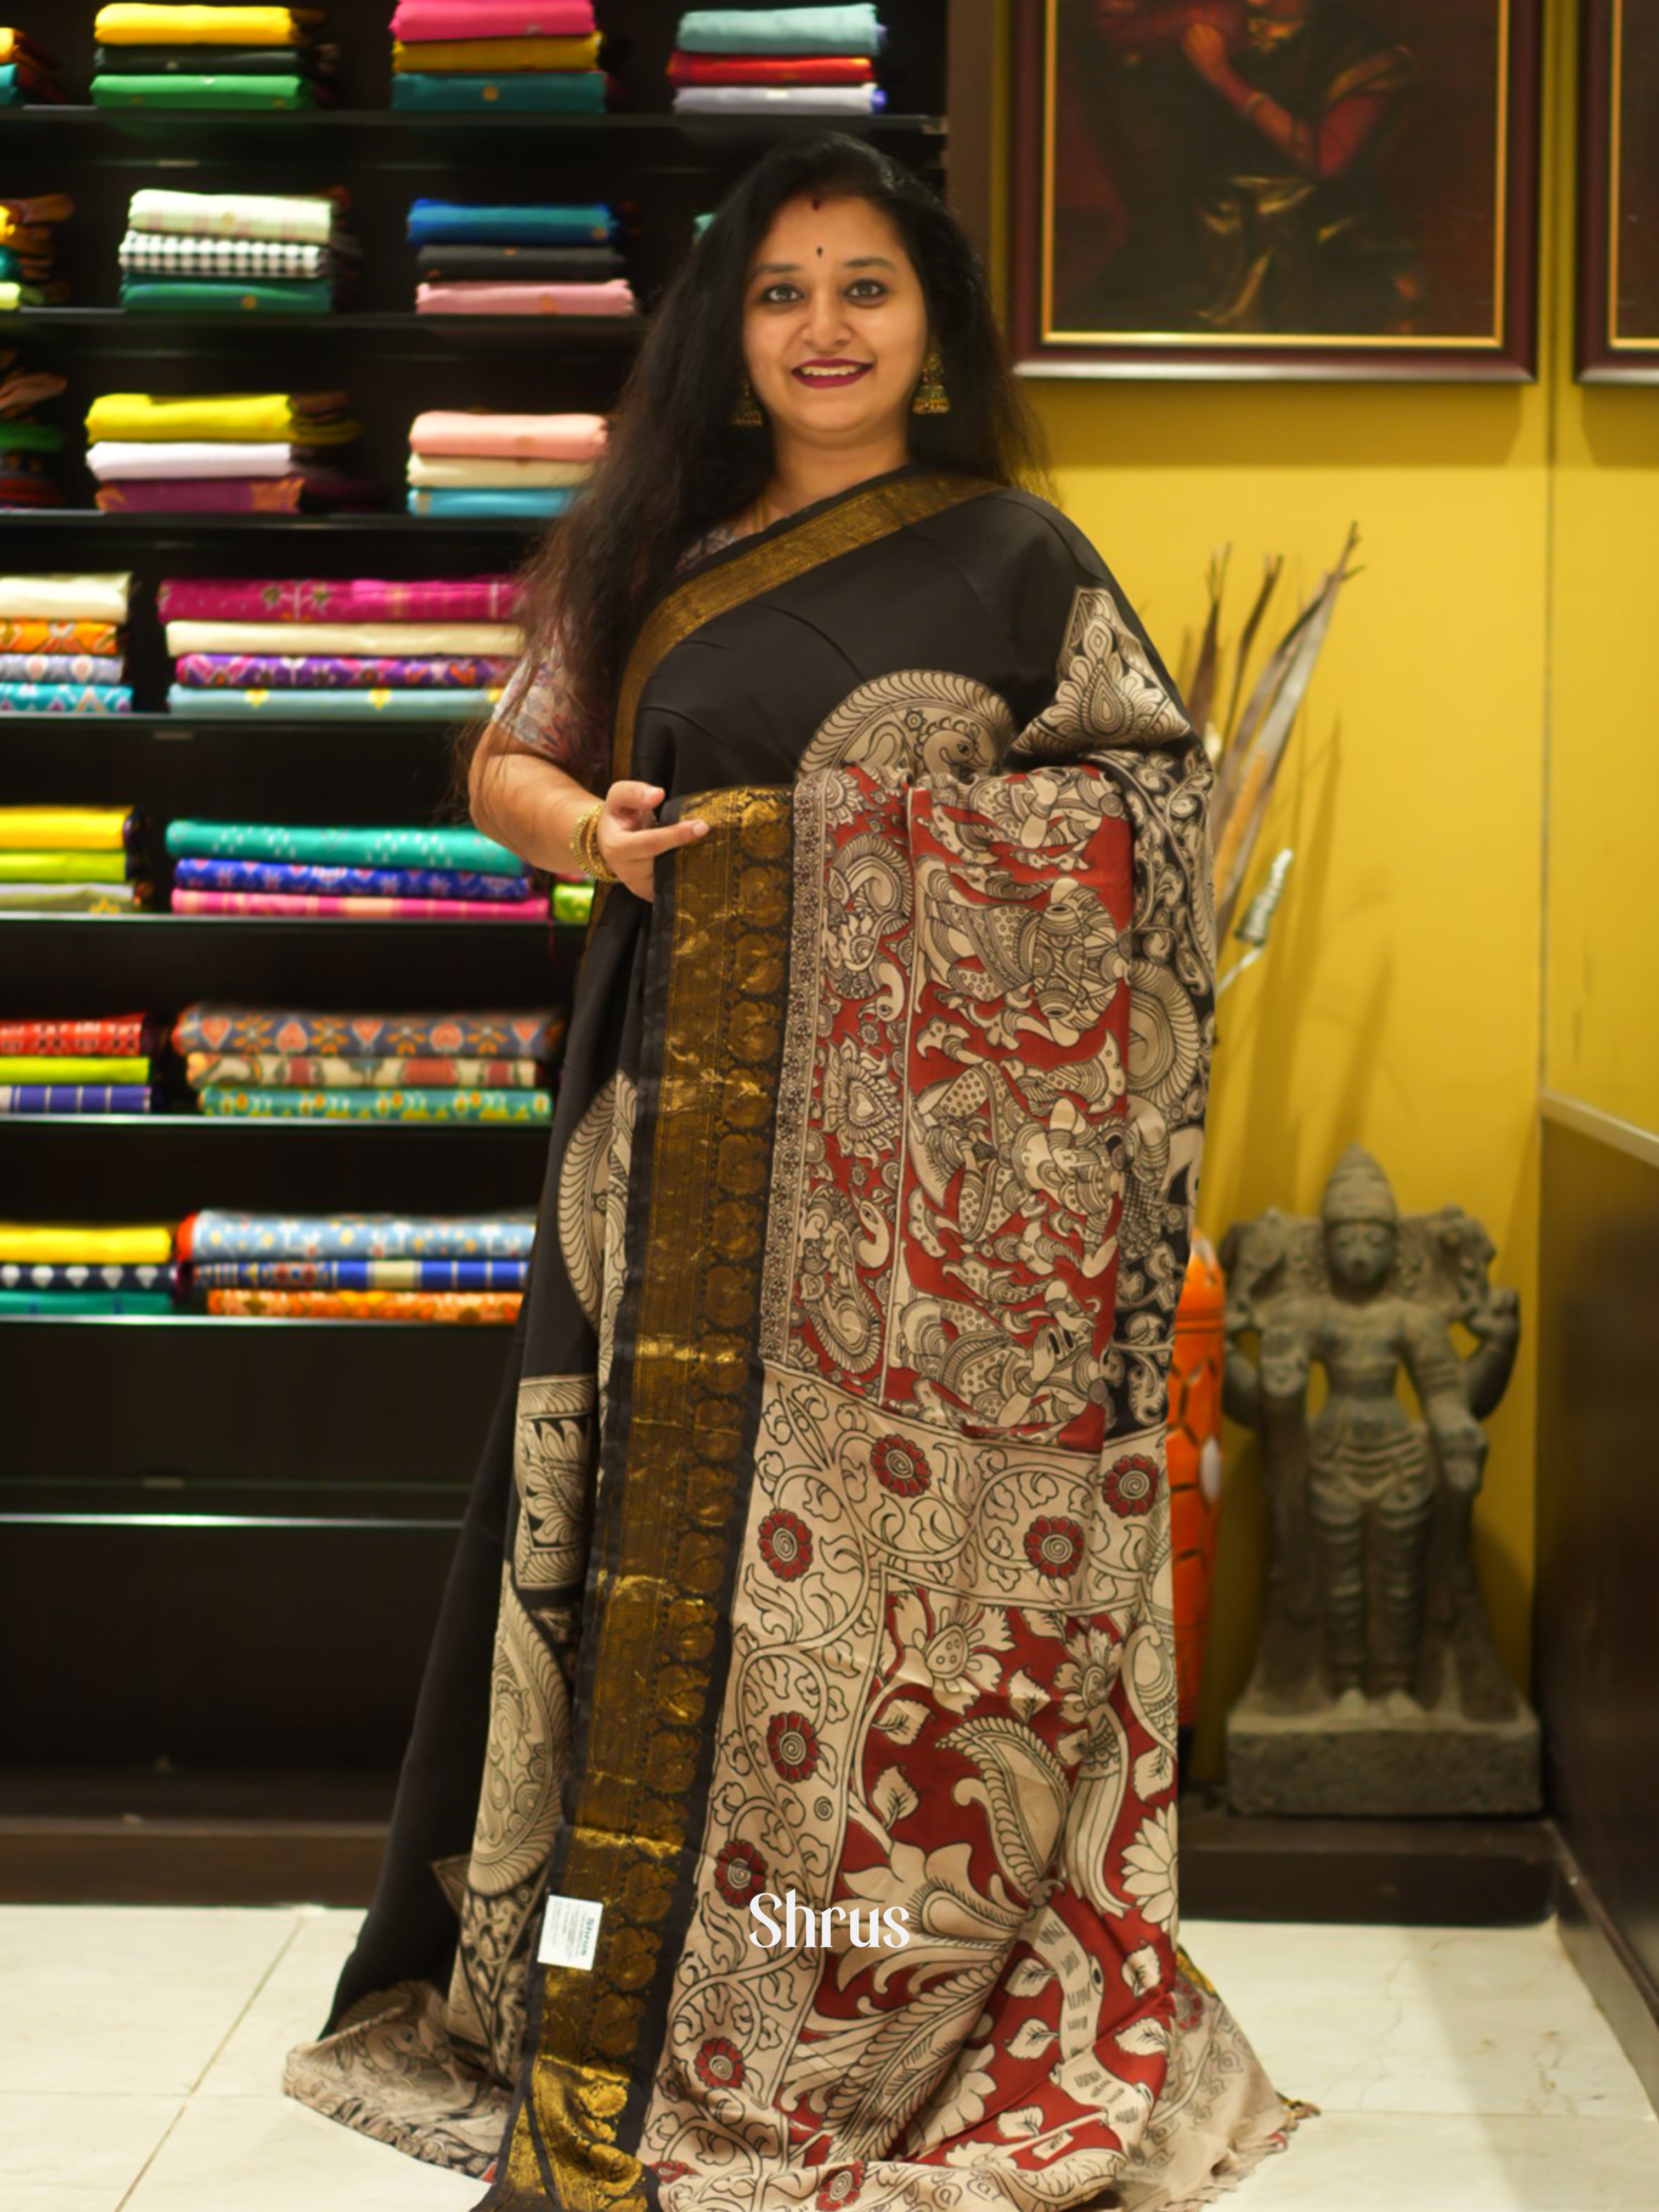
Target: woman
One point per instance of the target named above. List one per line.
(823, 1550)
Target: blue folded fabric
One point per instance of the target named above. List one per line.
(202, 702)
(528, 501)
(851, 29)
(361, 1274)
(65, 699)
(444, 222)
(553, 92)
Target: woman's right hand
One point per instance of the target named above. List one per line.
(630, 837)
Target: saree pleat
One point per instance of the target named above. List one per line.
(837, 1560)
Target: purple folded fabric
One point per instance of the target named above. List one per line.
(355, 598)
(204, 496)
(265, 671)
(346, 883)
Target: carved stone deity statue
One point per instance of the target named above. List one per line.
(1376, 1688)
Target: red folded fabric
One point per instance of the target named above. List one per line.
(125, 1035)
(204, 496)
(769, 69)
(414, 20)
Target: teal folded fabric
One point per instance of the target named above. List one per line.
(9, 264)
(246, 92)
(59, 1302)
(358, 848)
(836, 30)
(173, 296)
(202, 702)
(569, 91)
(510, 500)
(449, 223)
(232, 1101)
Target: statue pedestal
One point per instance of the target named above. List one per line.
(1474, 1750)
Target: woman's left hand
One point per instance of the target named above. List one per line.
(629, 837)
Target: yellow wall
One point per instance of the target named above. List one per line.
(1602, 970)
(1399, 1003)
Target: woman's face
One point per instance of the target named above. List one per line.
(831, 290)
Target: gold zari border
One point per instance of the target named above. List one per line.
(652, 1706)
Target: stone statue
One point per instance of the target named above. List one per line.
(1375, 1688)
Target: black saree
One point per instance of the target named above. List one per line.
(821, 1542)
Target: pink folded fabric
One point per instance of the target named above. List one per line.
(316, 905)
(528, 437)
(414, 19)
(488, 297)
(355, 599)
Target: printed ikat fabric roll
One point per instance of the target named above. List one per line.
(277, 1070)
(210, 875)
(214, 1233)
(267, 672)
(494, 1307)
(361, 1274)
(229, 1102)
(209, 1026)
(126, 1033)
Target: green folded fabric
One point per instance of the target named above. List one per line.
(245, 93)
(570, 92)
(853, 28)
(572, 904)
(31, 438)
(349, 848)
(202, 295)
(60, 867)
(86, 1302)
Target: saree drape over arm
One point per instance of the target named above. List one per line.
(835, 1555)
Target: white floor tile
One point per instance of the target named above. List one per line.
(290, 2008)
(46, 2141)
(134, 1998)
(271, 2155)
(1458, 2162)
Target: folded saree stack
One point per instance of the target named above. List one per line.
(362, 1266)
(278, 1064)
(98, 1065)
(70, 860)
(62, 1268)
(778, 60)
(250, 58)
(235, 253)
(28, 446)
(27, 72)
(28, 248)
(438, 648)
(467, 463)
(243, 452)
(518, 260)
(62, 645)
(494, 57)
(392, 874)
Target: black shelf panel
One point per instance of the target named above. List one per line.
(675, 133)
(117, 329)
(165, 531)
(115, 963)
(162, 1167)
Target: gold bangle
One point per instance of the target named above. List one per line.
(585, 844)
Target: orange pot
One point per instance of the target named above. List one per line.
(1195, 1465)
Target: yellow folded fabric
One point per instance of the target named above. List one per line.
(240, 415)
(71, 1067)
(57, 1243)
(131, 23)
(69, 829)
(486, 56)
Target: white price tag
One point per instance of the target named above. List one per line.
(570, 1932)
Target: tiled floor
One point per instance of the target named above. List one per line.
(1457, 2070)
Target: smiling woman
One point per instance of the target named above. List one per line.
(821, 1546)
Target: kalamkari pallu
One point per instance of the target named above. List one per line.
(821, 1545)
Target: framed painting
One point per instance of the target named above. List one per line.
(1276, 188)
(1618, 193)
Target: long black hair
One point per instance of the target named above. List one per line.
(674, 465)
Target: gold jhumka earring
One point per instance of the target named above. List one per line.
(746, 415)
(932, 398)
